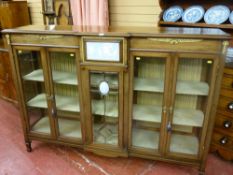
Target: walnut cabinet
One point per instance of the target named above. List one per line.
(145, 92)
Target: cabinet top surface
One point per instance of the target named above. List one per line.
(173, 32)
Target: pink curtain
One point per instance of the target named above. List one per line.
(90, 12)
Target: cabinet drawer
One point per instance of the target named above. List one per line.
(175, 44)
(226, 92)
(56, 40)
(223, 140)
(225, 103)
(228, 71)
(224, 123)
(227, 81)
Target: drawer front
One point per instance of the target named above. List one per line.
(226, 92)
(175, 44)
(224, 123)
(227, 82)
(56, 40)
(226, 104)
(228, 71)
(223, 140)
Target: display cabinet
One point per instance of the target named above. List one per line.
(144, 92)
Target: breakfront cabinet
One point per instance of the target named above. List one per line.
(145, 92)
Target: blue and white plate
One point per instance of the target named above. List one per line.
(231, 18)
(217, 14)
(172, 14)
(193, 14)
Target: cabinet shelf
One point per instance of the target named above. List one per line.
(152, 113)
(67, 128)
(187, 144)
(200, 24)
(183, 87)
(67, 103)
(145, 138)
(149, 113)
(150, 85)
(58, 77)
(188, 117)
(98, 108)
(63, 103)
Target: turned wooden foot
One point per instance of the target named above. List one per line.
(29, 146)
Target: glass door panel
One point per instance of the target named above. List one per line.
(66, 94)
(33, 86)
(105, 107)
(149, 76)
(190, 105)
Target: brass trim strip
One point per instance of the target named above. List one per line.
(45, 45)
(175, 41)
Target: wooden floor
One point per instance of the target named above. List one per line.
(49, 159)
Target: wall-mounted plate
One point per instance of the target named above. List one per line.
(217, 14)
(172, 14)
(193, 14)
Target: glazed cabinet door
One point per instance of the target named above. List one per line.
(103, 95)
(65, 93)
(188, 114)
(33, 90)
(149, 88)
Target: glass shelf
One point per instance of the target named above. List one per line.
(187, 144)
(58, 77)
(145, 138)
(67, 127)
(183, 87)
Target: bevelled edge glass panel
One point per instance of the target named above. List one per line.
(103, 51)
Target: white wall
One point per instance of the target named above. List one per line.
(134, 12)
(35, 7)
(122, 12)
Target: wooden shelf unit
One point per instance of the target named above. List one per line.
(164, 4)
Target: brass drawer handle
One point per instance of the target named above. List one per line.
(230, 106)
(175, 41)
(227, 124)
(223, 140)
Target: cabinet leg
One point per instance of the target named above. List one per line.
(29, 146)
